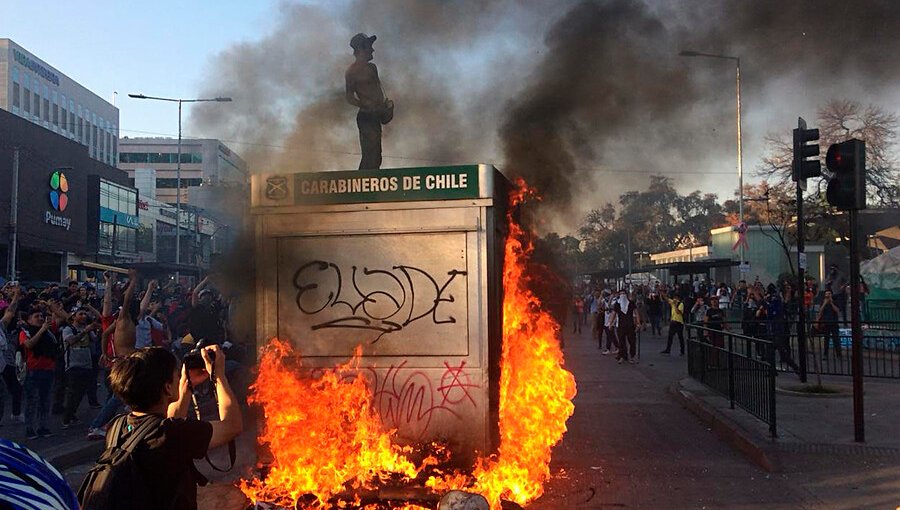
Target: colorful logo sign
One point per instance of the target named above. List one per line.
(59, 186)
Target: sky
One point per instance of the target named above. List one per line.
(583, 98)
(134, 47)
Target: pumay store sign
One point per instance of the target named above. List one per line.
(59, 200)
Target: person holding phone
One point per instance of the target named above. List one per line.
(41, 351)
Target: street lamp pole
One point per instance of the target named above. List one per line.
(180, 101)
(740, 160)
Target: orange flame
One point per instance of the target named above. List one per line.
(536, 392)
(322, 431)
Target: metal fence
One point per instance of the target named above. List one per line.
(739, 367)
(882, 310)
(828, 346)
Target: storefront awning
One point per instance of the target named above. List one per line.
(695, 267)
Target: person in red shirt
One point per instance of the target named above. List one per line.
(41, 350)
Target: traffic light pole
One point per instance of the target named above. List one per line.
(859, 427)
(801, 284)
(803, 168)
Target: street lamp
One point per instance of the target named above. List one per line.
(178, 163)
(740, 164)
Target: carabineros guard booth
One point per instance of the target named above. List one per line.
(405, 263)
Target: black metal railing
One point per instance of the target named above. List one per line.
(739, 367)
(828, 346)
(881, 310)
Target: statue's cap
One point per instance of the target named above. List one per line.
(362, 40)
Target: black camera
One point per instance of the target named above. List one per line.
(194, 359)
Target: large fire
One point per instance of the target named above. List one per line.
(322, 432)
(326, 437)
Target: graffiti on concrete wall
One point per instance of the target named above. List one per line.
(408, 400)
(380, 300)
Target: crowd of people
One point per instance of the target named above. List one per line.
(757, 310)
(58, 344)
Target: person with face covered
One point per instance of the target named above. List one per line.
(627, 330)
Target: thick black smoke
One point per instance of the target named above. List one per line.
(582, 99)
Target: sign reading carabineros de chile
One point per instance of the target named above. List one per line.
(395, 185)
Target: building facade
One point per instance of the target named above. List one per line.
(200, 235)
(204, 162)
(39, 93)
(214, 188)
(765, 254)
(67, 207)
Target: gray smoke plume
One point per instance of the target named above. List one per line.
(582, 99)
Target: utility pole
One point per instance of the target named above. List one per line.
(628, 256)
(14, 219)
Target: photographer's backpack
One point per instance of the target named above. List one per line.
(116, 481)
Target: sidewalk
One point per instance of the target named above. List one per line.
(65, 448)
(806, 425)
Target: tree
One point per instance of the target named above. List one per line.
(654, 220)
(773, 206)
(837, 121)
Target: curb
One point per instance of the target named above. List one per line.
(726, 429)
(73, 453)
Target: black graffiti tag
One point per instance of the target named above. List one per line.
(374, 299)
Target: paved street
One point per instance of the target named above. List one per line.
(631, 445)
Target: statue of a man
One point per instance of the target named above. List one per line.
(364, 91)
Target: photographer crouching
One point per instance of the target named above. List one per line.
(150, 452)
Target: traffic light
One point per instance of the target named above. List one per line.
(804, 168)
(847, 160)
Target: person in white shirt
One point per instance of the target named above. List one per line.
(610, 324)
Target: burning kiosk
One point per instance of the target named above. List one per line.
(406, 264)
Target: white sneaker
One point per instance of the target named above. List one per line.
(96, 433)
(634, 361)
(605, 352)
(17, 418)
(614, 351)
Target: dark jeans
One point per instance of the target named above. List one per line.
(784, 352)
(655, 326)
(110, 408)
(14, 388)
(369, 140)
(38, 397)
(831, 333)
(576, 328)
(675, 328)
(92, 388)
(611, 339)
(629, 350)
(78, 383)
(59, 386)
